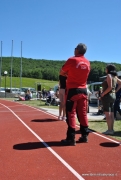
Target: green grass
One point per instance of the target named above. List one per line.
(38, 104)
(101, 126)
(28, 82)
(96, 125)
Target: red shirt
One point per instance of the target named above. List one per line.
(78, 69)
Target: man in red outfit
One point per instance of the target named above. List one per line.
(77, 69)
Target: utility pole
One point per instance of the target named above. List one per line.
(1, 67)
(11, 66)
(21, 68)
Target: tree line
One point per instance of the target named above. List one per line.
(48, 69)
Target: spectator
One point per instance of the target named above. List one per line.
(117, 103)
(44, 93)
(57, 93)
(28, 96)
(62, 83)
(39, 95)
(51, 92)
(88, 98)
(88, 92)
(77, 69)
(99, 102)
(50, 95)
(108, 96)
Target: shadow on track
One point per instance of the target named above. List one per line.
(44, 120)
(109, 144)
(39, 145)
(36, 145)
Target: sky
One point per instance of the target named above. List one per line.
(51, 29)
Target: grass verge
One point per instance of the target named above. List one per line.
(101, 126)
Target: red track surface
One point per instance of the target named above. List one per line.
(24, 157)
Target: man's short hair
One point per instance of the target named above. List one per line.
(82, 48)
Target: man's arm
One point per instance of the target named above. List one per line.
(63, 73)
(65, 68)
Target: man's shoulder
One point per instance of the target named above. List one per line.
(71, 58)
(85, 59)
(78, 58)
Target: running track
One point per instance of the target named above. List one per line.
(30, 148)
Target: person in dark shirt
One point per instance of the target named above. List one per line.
(44, 93)
(117, 103)
(28, 96)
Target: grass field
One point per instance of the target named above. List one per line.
(96, 125)
(28, 82)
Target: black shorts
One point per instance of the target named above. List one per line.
(108, 102)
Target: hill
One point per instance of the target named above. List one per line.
(47, 69)
(28, 82)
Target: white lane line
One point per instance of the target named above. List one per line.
(20, 111)
(42, 110)
(107, 138)
(46, 145)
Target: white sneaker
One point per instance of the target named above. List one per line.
(64, 118)
(109, 132)
(59, 117)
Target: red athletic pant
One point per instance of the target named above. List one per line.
(77, 104)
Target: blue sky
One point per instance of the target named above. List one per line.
(50, 29)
